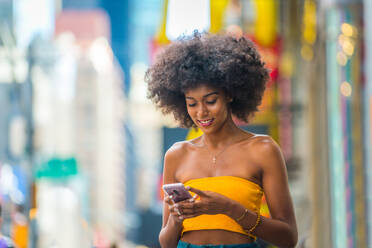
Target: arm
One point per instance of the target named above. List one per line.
(172, 225)
(280, 229)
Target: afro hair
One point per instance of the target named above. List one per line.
(221, 61)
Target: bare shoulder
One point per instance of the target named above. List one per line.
(264, 150)
(177, 152)
(263, 142)
(173, 159)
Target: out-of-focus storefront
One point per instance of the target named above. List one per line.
(344, 65)
(367, 97)
(338, 117)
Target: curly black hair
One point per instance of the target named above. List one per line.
(221, 61)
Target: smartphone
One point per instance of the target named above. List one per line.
(177, 191)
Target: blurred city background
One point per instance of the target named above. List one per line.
(81, 146)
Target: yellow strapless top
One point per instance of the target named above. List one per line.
(246, 192)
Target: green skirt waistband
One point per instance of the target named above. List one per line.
(182, 244)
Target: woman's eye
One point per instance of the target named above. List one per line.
(212, 102)
(192, 104)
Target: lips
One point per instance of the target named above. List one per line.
(206, 122)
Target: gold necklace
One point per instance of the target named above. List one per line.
(214, 157)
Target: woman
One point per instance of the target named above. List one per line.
(203, 80)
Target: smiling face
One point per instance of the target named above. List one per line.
(207, 107)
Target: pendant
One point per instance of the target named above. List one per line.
(214, 160)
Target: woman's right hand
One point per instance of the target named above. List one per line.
(174, 212)
(172, 229)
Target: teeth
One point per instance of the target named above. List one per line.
(204, 122)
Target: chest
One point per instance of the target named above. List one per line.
(199, 163)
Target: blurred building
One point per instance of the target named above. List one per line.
(367, 113)
(338, 106)
(15, 115)
(88, 95)
(63, 121)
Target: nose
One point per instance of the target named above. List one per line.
(202, 111)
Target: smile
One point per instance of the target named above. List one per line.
(206, 123)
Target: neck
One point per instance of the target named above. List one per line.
(227, 134)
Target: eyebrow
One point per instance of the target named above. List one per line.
(209, 94)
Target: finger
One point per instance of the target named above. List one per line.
(171, 208)
(190, 200)
(174, 213)
(189, 211)
(198, 206)
(188, 205)
(168, 200)
(176, 209)
(191, 208)
(188, 216)
(177, 217)
(194, 198)
(197, 191)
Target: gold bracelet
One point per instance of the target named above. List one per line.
(250, 230)
(243, 215)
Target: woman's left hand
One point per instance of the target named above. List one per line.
(208, 203)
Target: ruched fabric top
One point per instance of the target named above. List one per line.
(246, 192)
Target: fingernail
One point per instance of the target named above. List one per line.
(192, 200)
(187, 187)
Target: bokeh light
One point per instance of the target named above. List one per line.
(346, 89)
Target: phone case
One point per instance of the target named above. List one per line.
(177, 191)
